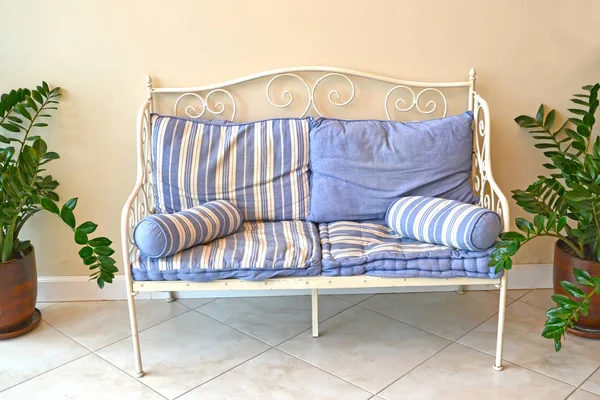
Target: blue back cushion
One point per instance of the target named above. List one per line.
(360, 167)
(260, 167)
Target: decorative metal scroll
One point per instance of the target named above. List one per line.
(406, 99)
(482, 181)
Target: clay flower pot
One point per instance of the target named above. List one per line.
(18, 296)
(588, 326)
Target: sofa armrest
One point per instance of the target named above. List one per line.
(140, 202)
(484, 185)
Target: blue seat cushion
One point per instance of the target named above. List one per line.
(257, 251)
(372, 248)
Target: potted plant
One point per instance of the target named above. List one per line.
(25, 189)
(566, 205)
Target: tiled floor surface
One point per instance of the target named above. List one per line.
(386, 346)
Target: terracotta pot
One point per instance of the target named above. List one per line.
(587, 326)
(18, 296)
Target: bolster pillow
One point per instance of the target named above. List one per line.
(162, 235)
(445, 222)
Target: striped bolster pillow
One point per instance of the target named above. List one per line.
(445, 222)
(162, 235)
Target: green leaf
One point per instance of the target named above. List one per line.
(36, 96)
(45, 86)
(572, 289)
(100, 283)
(40, 147)
(86, 251)
(87, 227)
(549, 120)
(552, 330)
(539, 117)
(562, 222)
(71, 204)
(31, 103)
(51, 156)
(539, 221)
(66, 214)
(40, 124)
(100, 241)
(11, 127)
(583, 277)
(49, 205)
(576, 111)
(511, 236)
(524, 225)
(81, 237)
(90, 260)
(104, 251)
(21, 110)
(564, 301)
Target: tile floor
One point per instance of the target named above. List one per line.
(386, 346)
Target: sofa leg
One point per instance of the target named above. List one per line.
(135, 333)
(461, 289)
(315, 313)
(501, 315)
(170, 297)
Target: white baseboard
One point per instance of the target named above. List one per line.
(78, 288)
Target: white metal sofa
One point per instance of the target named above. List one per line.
(318, 91)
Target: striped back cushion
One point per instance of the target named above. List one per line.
(444, 222)
(260, 167)
(162, 235)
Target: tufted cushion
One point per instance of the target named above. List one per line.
(260, 167)
(360, 167)
(444, 222)
(162, 235)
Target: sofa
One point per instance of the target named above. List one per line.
(311, 202)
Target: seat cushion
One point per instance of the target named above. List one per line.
(372, 248)
(260, 167)
(257, 251)
(360, 167)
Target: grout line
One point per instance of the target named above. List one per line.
(415, 367)
(194, 308)
(224, 372)
(45, 372)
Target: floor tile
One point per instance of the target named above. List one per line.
(353, 298)
(96, 324)
(89, 378)
(276, 375)
(194, 303)
(184, 352)
(272, 319)
(29, 355)
(593, 383)
(365, 348)
(460, 372)
(513, 294)
(540, 298)
(41, 306)
(525, 346)
(444, 313)
(583, 395)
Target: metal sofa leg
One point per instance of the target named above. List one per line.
(170, 297)
(501, 315)
(134, 332)
(315, 313)
(461, 289)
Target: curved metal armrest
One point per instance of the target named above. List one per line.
(141, 200)
(484, 185)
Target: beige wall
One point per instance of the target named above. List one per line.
(525, 52)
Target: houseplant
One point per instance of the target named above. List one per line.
(25, 189)
(566, 205)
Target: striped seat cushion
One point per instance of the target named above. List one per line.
(256, 251)
(161, 235)
(260, 167)
(445, 222)
(372, 248)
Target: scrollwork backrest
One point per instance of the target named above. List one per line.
(318, 93)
